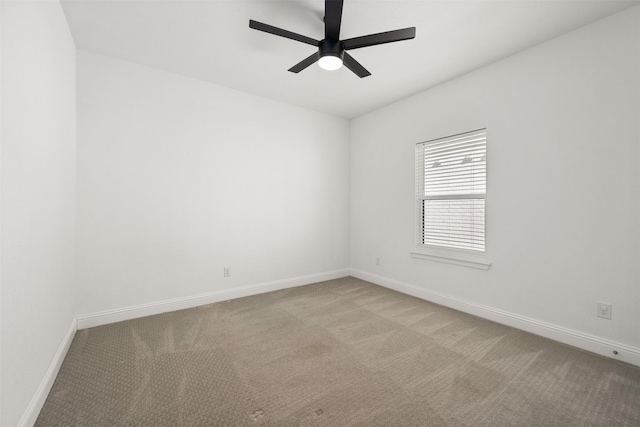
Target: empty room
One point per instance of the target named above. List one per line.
(320, 213)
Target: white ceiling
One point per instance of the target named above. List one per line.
(211, 40)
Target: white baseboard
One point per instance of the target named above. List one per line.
(564, 335)
(37, 402)
(118, 315)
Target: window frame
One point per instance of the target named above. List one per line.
(451, 255)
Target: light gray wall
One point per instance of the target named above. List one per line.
(563, 198)
(38, 197)
(178, 178)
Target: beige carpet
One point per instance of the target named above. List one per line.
(342, 352)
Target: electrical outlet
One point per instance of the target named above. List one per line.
(227, 272)
(377, 260)
(604, 310)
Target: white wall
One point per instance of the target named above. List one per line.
(38, 200)
(178, 178)
(563, 201)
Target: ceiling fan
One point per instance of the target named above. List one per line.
(331, 54)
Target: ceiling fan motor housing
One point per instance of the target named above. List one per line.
(328, 47)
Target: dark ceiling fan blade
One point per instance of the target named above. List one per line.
(332, 19)
(282, 33)
(354, 66)
(304, 63)
(380, 38)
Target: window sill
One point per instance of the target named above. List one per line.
(472, 261)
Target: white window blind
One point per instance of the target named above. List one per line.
(451, 185)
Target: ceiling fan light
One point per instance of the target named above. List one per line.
(330, 62)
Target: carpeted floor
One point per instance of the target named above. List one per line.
(336, 353)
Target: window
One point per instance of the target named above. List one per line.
(451, 185)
